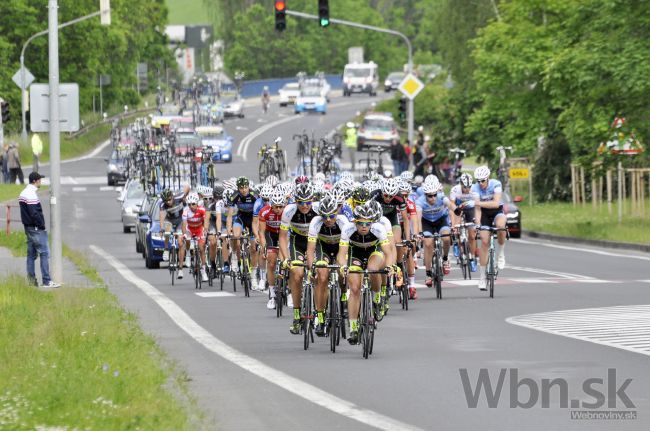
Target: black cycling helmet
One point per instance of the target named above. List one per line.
(377, 210)
(327, 205)
(242, 182)
(166, 195)
(360, 195)
(304, 192)
(363, 212)
(217, 191)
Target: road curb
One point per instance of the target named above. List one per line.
(595, 242)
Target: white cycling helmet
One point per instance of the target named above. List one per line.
(406, 176)
(404, 186)
(347, 175)
(228, 194)
(266, 191)
(482, 173)
(319, 176)
(465, 180)
(389, 187)
(431, 187)
(192, 198)
(430, 178)
(272, 180)
(418, 180)
(278, 197)
(229, 185)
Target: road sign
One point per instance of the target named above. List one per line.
(410, 86)
(29, 78)
(519, 173)
(39, 106)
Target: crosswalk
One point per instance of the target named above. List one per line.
(624, 327)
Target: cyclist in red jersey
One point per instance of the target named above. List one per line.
(195, 223)
(269, 232)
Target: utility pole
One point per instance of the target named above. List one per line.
(380, 30)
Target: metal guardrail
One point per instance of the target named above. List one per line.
(254, 88)
(7, 219)
(106, 120)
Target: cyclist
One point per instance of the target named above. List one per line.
(266, 98)
(296, 217)
(215, 210)
(195, 223)
(322, 248)
(270, 218)
(228, 195)
(171, 218)
(265, 192)
(411, 209)
(363, 245)
(463, 203)
(433, 209)
(489, 212)
(244, 201)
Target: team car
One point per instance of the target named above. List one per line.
(216, 138)
(289, 93)
(311, 99)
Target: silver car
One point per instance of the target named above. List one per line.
(131, 200)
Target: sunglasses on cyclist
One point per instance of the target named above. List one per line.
(431, 195)
(482, 181)
(303, 202)
(329, 216)
(363, 223)
(277, 207)
(388, 196)
(193, 205)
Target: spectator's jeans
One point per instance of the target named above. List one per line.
(397, 167)
(352, 151)
(37, 246)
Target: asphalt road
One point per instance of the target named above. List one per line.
(248, 372)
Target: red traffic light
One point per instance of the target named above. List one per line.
(280, 5)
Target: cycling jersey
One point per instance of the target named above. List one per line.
(216, 209)
(174, 212)
(244, 205)
(433, 211)
(457, 196)
(194, 220)
(487, 194)
(396, 204)
(297, 222)
(319, 231)
(259, 204)
(346, 210)
(271, 219)
(375, 236)
(411, 210)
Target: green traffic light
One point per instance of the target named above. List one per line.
(324, 22)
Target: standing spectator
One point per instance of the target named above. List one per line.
(31, 214)
(3, 163)
(351, 141)
(13, 163)
(398, 156)
(37, 149)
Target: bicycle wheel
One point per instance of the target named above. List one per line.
(334, 313)
(490, 277)
(218, 270)
(462, 260)
(306, 315)
(279, 300)
(197, 271)
(366, 306)
(172, 263)
(437, 275)
(246, 276)
(404, 296)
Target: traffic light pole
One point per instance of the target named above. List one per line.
(380, 30)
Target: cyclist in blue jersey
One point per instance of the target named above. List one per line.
(244, 201)
(489, 212)
(433, 209)
(463, 200)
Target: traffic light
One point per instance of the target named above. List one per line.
(323, 13)
(280, 15)
(5, 112)
(402, 109)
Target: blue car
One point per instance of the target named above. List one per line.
(311, 99)
(154, 243)
(216, 138)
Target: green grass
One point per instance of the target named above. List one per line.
(15, 242)
(9, 192)
(187, 12)
(73, 359)
(83, 264)
(582, 221)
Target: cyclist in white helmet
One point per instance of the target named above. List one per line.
(488, 202)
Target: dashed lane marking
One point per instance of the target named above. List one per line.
(79, 189)
(623, 327)
(214, 294)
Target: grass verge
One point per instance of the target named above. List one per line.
(10, 191)
(73, 358)
(583, 221)
(15, 242)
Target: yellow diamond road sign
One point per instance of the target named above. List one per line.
(410, 86)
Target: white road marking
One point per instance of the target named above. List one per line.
(595, 280)
(241, 128)
(248, 363)
(106, 188)
(552, 273)
(625, 327)
(463, 282)
(79, 189)
(532, 280)
(214, 294)
(585, 250)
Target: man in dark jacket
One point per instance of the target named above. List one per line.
(31, 214)
(398, 156)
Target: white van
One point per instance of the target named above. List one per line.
(360, 78)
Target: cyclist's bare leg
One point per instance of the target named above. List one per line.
(354, 290)
(235, 243)
(212, 239)
(295, 279)
(485, 244)
(271, 259)
(428, 252)
(320, 296)
(375, 263)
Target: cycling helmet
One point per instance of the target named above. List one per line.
(430, 188)
(417, 180)
(363, 212)
(360, 195)
(374, 176)
(389, 187)
(217, 191)
(229, 184)
(302, 179)
(278, 197)
(406, 176)
(242, 182)
(228, 194)
(287, 188)
(430, 178)
(388, 173)
(339, 196)
(304, 192)
(192, 198)
(328, 205)
(266, 191)
(166, 195)
(465, 180)
(404, 186)
(318, 186)
(482, 173)
(202, 190)
(272, 180)
(346, 175)
(376, 208)
(319, 176)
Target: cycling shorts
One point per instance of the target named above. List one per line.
(326, 252)
(297, 247)
(272, 240)
(488, 215)
(439, 226)
(358, 257)
(172, 226)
